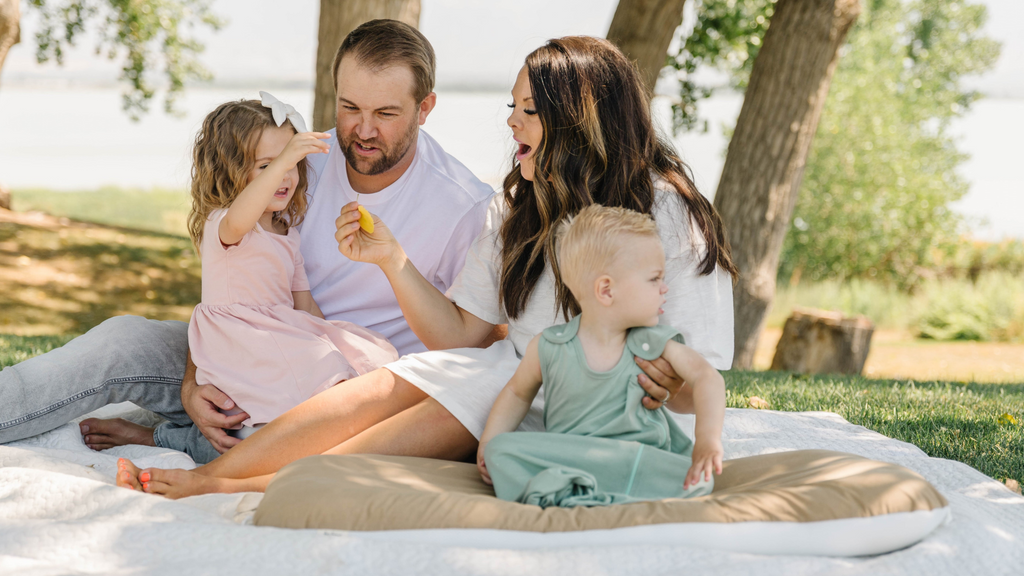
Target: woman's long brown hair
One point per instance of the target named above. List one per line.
(224, 154)
(599, 146)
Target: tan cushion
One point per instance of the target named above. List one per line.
(365, 492)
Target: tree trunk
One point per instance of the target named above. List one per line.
(823, 342)
(337, 19)
(10, 29)
(643, 30)
(765, 161)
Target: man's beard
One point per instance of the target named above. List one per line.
(389, 156)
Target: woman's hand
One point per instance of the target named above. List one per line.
(482, 466)
(379, 248)
(662, 384)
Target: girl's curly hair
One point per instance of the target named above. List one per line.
(224, 154)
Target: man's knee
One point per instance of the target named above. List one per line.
(131, 333)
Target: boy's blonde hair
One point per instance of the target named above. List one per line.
(223, 155)
(590, 241)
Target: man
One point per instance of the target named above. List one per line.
(384, 77)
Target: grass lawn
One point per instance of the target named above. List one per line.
(157, 210)
(947, 420)
(63, 277)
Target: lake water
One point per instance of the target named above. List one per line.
(78, 138)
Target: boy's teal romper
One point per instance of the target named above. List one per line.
(601, 445)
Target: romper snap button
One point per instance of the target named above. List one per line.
(558, 334)
(646, 346)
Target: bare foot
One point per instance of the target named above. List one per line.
(128, 475)
(102, 434)
(178, 483)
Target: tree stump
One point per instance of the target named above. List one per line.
(5, 197)
(823, 342)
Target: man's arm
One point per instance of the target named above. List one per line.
(204, 404)
(304, 302)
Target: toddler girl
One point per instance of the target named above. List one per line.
(258, 335)
(601, 445)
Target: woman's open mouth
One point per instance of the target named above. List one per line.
(523, 152)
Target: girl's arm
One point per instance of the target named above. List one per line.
(708, 388)
(437, 321)
(512, 404)
(252, 201)
(304, 301)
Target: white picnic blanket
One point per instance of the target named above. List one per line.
(61, 514)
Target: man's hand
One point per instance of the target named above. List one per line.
(204, 405)
(662, 384)
(707, 457)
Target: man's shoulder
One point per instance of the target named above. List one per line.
(451, 176)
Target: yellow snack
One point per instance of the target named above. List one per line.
(365, 220)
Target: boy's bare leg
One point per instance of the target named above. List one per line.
(426, 430)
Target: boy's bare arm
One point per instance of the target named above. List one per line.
(515, 398)
(513, 403)
(707, 384)
(709, 405)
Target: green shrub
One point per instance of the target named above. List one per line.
(988, 309)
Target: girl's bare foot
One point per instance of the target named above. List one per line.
(179, 483)
(102, 434)
(128, 475)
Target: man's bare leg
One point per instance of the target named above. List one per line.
(425, 430)
(102, 434)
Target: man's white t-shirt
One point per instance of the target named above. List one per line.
(435, 210)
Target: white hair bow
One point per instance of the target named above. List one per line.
(282, 112)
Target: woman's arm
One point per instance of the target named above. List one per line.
(513, 403)
(437, 321)
(664, 386)
(304, 301)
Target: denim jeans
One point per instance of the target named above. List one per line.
(124, 359)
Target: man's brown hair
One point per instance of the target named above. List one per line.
(380, 44)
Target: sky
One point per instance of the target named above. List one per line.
(478, 43)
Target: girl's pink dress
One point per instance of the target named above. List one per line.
(247, 339)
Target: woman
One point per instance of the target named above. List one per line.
(581, 119)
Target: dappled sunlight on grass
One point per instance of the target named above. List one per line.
(59, 276)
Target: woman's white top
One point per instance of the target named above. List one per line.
(466, 381)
